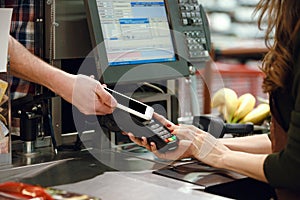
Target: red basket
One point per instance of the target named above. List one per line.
(242, 78)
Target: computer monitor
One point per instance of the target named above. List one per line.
(135, 40)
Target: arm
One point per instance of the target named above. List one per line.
(200, 145)
(212, 151)
(251, 165)
(83, 92)
(196, 143)
(251, 144)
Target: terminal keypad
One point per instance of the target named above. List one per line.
(194, 21)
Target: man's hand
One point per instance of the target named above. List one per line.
(90, 97)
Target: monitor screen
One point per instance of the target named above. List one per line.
(128, 30)
(134, 41)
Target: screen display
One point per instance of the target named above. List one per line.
(135, 32)
(131, 104)
(128, 102)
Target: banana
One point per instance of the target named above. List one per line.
(258, 114)
(246, 103)
(221, 109)
(3, 119)
(3, 87)
(228, 98)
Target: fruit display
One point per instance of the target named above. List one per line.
(239, 109)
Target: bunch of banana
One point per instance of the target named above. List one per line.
(258, 114)
(227, 101)
(239, 109)
(246, 103)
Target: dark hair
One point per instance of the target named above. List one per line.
(282, 20)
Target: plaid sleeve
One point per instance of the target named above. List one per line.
(22, 28)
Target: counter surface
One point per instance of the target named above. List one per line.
(108, 174)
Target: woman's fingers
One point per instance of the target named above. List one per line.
(135, 139)
(191, 127)
(187, 131)
(140, 141)
(163, 120)
(153, 147)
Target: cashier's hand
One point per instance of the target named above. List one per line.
(89, 96)
(193, 143)
(182, 151)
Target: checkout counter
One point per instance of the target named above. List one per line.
(128, 172)
(109, 171)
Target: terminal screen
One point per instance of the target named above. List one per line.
(135, 32)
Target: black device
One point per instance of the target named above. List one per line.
(217, 127)
(153, 130)
(129, 117)
(147, 40)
